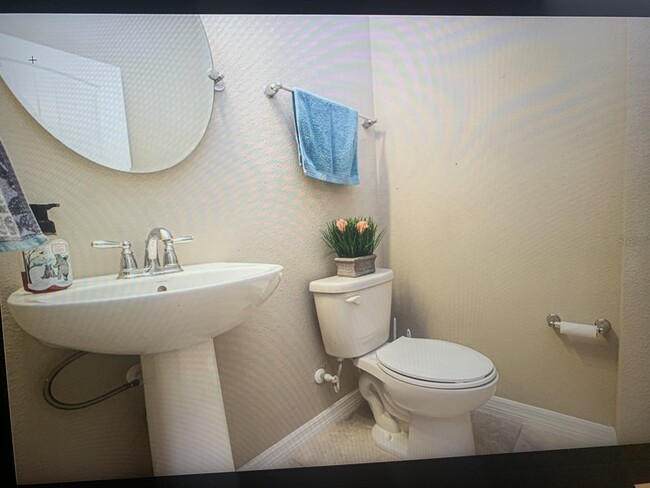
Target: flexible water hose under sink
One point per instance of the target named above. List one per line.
(54, 402)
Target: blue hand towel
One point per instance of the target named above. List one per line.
(327, 138)
(19, 230)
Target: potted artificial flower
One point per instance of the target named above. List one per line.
(354, 240)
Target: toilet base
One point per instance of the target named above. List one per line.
(428, 437)
(392, 443)
(431, 437)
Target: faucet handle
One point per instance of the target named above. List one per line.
(109, 244)
(128, 265)
(170, 260)
(178, 240)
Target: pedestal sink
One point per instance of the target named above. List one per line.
(170, 321)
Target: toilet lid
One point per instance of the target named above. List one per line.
(434, 360)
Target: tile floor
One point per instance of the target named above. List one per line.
(349, 441)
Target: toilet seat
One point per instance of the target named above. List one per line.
(435, 364)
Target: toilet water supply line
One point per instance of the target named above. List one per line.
(322, 376)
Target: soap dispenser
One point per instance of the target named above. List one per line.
(48, 266)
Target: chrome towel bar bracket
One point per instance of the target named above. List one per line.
(271, 89)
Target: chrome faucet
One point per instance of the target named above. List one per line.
(152, 266)
(170, 260)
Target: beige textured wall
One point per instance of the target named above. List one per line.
(244, 198)
(633, 399)
(502, 143)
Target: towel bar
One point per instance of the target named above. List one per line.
(272, 88)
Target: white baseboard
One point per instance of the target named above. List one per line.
(589, 434)
(281, 450)
(581, 432)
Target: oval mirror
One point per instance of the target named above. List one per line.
(129, 92)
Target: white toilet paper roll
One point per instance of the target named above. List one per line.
(578, 330)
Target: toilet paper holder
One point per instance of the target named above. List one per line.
(602, 325)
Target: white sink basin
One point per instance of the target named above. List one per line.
(146, 315)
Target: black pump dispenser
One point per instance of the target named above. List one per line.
(40, 212)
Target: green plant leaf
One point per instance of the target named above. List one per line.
(351, 243)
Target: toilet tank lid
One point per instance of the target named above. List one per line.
(340, 284)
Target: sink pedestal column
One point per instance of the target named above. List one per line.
(188, 433)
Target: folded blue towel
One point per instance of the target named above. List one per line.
(327, 138)
(19, 230)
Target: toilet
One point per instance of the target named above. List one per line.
(420, 391)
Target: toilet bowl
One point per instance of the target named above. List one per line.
(432, 399)
(420, 391)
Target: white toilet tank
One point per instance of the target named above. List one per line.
(354, 313)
